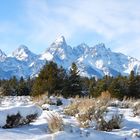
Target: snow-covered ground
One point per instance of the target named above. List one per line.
(38, 130)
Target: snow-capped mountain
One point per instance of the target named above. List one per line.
(60, 52)
(22, 53)
(92, 61)
(22, 62)
(2, 55)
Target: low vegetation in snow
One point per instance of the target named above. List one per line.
(72, 118)
(55, 122)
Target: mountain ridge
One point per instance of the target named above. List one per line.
(94, 61)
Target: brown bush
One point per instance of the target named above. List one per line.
(55, 122)
(106, 95)
(72, 109)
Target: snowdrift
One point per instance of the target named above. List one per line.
(24, 111)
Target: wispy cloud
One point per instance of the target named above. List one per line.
(116, 21)
(110, 19)
(130, 48)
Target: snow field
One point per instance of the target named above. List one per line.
(39, 129)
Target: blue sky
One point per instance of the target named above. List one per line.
(37, 23)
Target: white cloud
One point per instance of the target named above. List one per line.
(45, 23)
(113, 20)
(131, 48)
(110, 18)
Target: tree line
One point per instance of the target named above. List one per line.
(55, 80)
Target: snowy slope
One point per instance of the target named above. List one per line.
(38, 130)
(22, 62)
(92, 61)
(59, 52)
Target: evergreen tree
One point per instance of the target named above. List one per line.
(74, 82)
(115, 89)
(138, 86)
(61, 79)
(85, 82)
(132, 85)
(47, 80)
(10, 86)
(92, 87)
(23, 87)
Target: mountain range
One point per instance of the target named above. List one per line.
(95, 61)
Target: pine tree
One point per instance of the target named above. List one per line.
(61, 79)
(47, 80)
(23, 87)
(74, 82)
(132, 89)
(10, 86)
(92, 87)
(115, 89)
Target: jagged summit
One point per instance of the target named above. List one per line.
(23, 47)
(83, 45)
(96, 61)
(100, 46)
(59, 51)
(22, 53)
(60, 41)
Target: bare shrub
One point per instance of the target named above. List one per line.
(85, 103)
(94, 112)
(127, 102)
(79, 105)
(114, 123)
(54, 100)
(72, 109)
(13, 121)
(84, 119)
(55, 122)
(59, 102)
(135, 133)
(99, 112)
(30, 118)
(17, 120)
(91, 113)
(91, 116)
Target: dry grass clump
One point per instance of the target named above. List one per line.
(86, 110)
(92, 112)
(80, 105)
(40, 99)
(72, 109)
(44, 99)
(106, 95)
(105, 98)
(55, 122)
(127, 102)
(86, 117)
(85, 103)
(136, 109)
